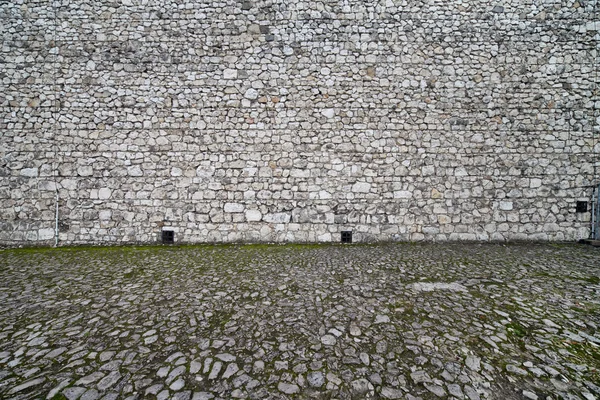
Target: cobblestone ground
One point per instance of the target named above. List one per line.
(406, 321)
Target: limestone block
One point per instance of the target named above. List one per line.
(46, 234)
(85, 170)
(253, 215)
(328, 112)
(277, 218)
(29, 172)
(135, 171)
(251, 94)
(104, 193)
(403, 194)
(105, 215)
(361, 187)
(176, 171)
(535, 183)
(233, 208)
(229, 73)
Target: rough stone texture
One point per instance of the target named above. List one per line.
(292, 121)
(248, 321)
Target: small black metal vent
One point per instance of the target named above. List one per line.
(168, 237)
(581, 206)
(346, 236)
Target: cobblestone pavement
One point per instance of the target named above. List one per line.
(401, 321)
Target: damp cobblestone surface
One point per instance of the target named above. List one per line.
(393, 321)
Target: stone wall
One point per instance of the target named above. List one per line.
(292, 121)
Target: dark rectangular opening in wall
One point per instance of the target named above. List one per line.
(168, 237)
(346, 236)
(581, 206)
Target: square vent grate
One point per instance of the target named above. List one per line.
(581, 206)
(346, 236)
(168, 237)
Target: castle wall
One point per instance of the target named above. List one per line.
(293, 121)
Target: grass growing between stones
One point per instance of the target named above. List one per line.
(519, 334)
(587, 309)
(587, 353)
(593, 280)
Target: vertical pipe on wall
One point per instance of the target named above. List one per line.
(56, 221)
(593, 225)
(56, 127)
(596, 215)
(596, 115)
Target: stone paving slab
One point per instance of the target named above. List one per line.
(390, 321)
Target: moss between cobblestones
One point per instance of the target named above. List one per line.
(518, 333)
(219, 319)
(170, 247)
(587, 309)
(587, 353)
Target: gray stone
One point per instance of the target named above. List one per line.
(328, 340)
(391, 393)
(259, 366)
(361, 187)
(56, 389)
(355, 330)
(529, 395)
(225, 357)
(230, 370)
(473, 362)
(431, 286)
(177, 385)
(185, 395)
(288, 388)
(328, 112)
(29, 172)
(251, 94)
(56, 352)
(516, 370)
(361, 386)
(91, 394)
(382, 319)
(420, 377)
(154, 389)
(109, 380)
(214, 373)
(315, 379)
(253, 215)
(471, 393)
(455, 390)
(230, 73)
(436, 389)
(202, 396)
(93, 377)
(74, 392)
(164, 395)
(195, 366)
(27, 385)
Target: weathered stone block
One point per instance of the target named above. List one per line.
(253, 215)
(29, 172)
(233, 207)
